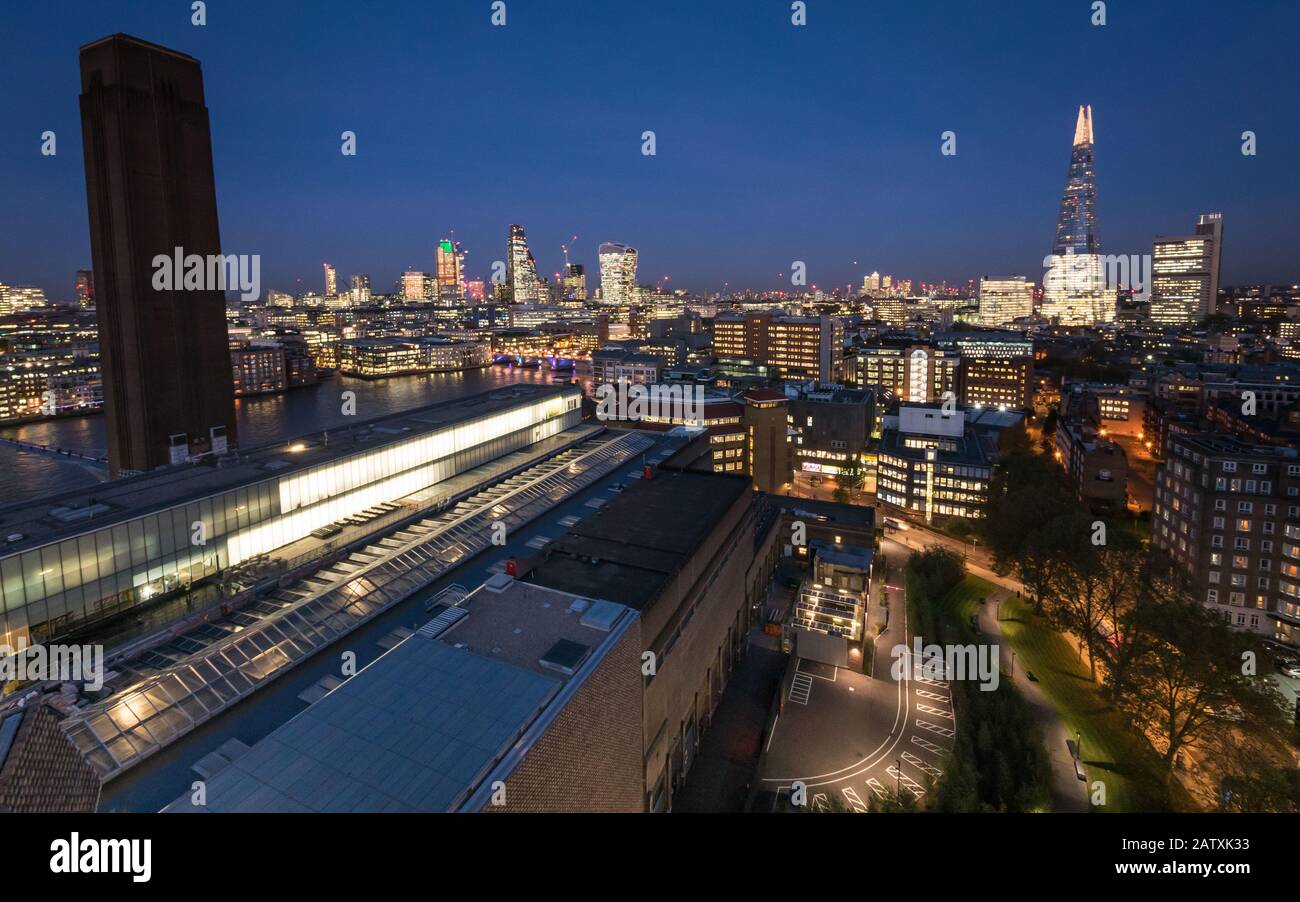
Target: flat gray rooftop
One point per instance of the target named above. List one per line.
(423, 725)
(524, 622)
(415, 731)
(635, 544)
(122, 499)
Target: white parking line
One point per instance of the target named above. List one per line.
(933, 696)
(929, 746)
(800, 688)
(937, 712)
(935, 728)
(921, 765)
(874, 785)
(908, 783)
(855, 801)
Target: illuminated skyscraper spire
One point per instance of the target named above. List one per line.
(1076, 228)
(1083, 127)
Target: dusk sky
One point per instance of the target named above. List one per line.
(774, 143)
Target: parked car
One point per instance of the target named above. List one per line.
(1291, 669)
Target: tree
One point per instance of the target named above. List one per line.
(1025, 525)
(1135, 579)
(851, 475)
(1094, 585)
(1192, 689)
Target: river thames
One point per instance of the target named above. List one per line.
(262, 420)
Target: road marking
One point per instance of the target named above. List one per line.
(935, 728)
(821, 802)
(937, 712)
(800, 688)
(855, 801)
(921, 765)
(908, 783)
(929, 682)
(929, 746)
(775, 720)
(874, 785)
(933, 696)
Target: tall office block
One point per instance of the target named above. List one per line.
(150, 190)
(1185, 273)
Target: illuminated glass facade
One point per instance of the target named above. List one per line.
(48, 590)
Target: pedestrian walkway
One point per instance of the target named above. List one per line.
(1069, 793)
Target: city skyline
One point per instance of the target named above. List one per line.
(714, 205)
(717, 532)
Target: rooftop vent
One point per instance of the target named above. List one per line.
(565, 656)
(443, 622)
(78, 514)
(602, 616)
(498, 582)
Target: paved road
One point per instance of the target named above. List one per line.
(852, 737)
(723, 771)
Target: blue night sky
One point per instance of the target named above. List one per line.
(775, 143)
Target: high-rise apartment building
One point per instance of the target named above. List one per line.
(617, 273)
(1003, 301)
(151, 192)
(1185, 273)
(1227, 512)
(331, 280)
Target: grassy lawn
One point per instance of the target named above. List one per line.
(1130, 768)
(963, 601)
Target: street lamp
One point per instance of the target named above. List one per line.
(898, 779)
